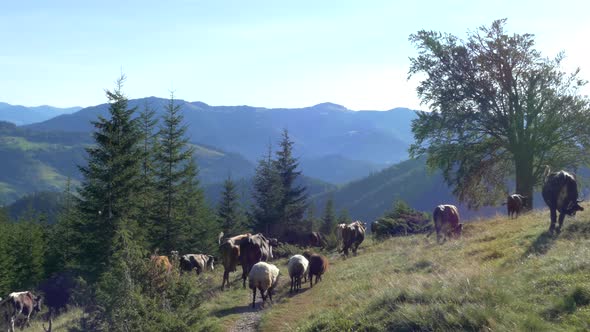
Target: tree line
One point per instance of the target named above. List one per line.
(140, 195)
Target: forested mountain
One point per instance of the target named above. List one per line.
(318, 131)
(22, 115)
(410, 181)
(36, 161)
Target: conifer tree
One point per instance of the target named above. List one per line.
(7, 260)
(267, 195)
(63, 240)
(231, 216)
(181, 203)
(149, 147)
(329, 218)
(293, 202)
(111, 184)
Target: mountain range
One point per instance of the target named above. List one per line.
(377, 137)
(22, 115)
(358, 158)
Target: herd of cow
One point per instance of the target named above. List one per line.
(253, 252)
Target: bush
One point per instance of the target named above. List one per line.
(400, 221)
(286, 250)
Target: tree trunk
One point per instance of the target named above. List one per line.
(525, 180)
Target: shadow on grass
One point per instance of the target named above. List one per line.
(577, 229)
(541, 245)
(236, 310)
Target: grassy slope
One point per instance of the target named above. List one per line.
(503, 275)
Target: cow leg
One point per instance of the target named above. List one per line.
(244, 275)
(310, 280)
(11, 327)
(225, 279)
(561, 217)
(553, 219)
(292, 283)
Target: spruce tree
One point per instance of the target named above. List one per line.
(111, 184)
(63, 240)
(149, 147)
(7, 260)
(181, 201)
(293, 202)
(268, 196)
(231, 216)
(199, 222)
(329, 218)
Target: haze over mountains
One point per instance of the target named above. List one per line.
(357, 150)
(21, 115)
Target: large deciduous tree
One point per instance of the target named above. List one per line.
(498, 108)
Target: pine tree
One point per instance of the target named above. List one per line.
(111, 184)
(293, 202)
(329, 218)
(231, 216)
(63, 240)
(7, 260)
(267, 195)
(149, 147)
(181, 199)
(200, 223)
(344, 217)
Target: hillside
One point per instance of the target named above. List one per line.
(35, 161)
(502, 275)
(22, 115)
(369, 197)
(320, 130)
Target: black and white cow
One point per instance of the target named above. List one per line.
(20, 305)
(560, 192)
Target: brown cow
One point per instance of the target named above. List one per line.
(514, 204)
(446, 222)
(254, 249)
(230, 254)
(162, 263)
(20, 305)
(352, 236)
(318, 265)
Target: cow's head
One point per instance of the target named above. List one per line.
(273, 241)
(210, 261)
(574, 207)
(458, 230)
(37, 303)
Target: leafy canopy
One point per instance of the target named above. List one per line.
(499, 108)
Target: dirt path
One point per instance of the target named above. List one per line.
(248, 321)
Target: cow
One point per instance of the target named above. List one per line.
(316, 239)
(20, 305)
(514, 204)
(560, 193)
(230, 254)
(197, 262)
(58, 290)
(162, 263)
(254, 249)
(353, 235)
(446, 222)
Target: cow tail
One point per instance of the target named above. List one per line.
(219, 238)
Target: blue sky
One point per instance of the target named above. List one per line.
(261, 53)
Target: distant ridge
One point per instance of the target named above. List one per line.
(377, 137)
(21, 115)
